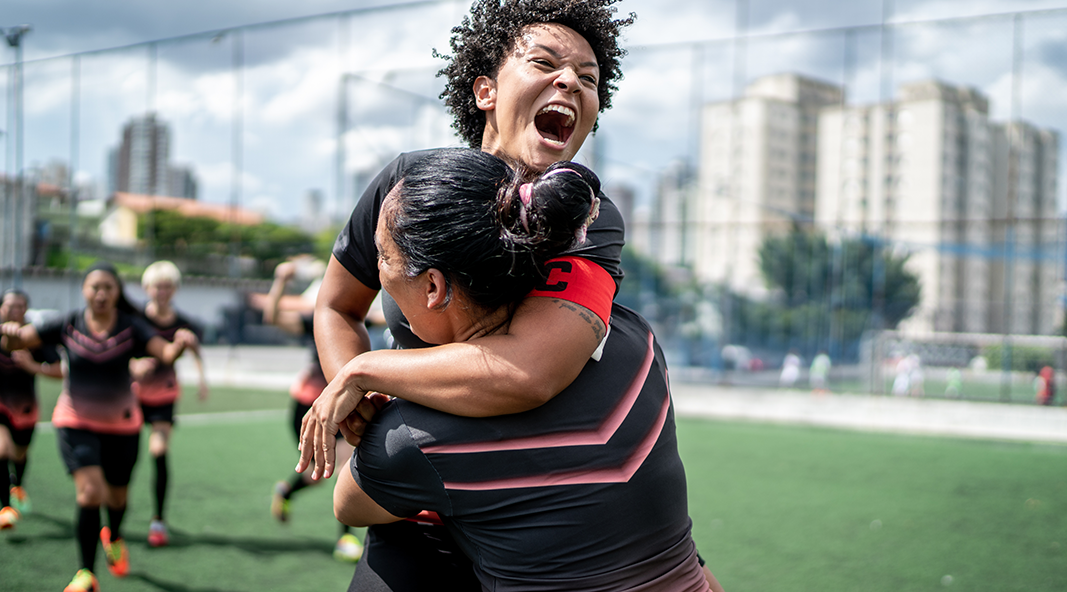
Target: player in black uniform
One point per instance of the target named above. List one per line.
(586, 492)
(18, 409)
(97, 417)
(156, 385)
(526, 82)
(296, 319)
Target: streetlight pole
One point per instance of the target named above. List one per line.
(14, 39)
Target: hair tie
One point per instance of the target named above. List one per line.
(526, 193)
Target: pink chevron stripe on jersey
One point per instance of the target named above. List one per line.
(595, 437)
(620, 474)
(99, 351)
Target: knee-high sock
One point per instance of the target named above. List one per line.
(88, 529)
(296, 483)
(161, 484)
(20, 471)
(114, 520)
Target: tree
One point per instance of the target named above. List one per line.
(854, 274)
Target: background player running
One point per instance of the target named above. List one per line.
(296, 319)
(97, 418)
(156, 384)
(18, 409)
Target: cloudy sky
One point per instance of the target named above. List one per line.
(293, 66)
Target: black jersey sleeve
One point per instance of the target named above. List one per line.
(185, 322)
(143, 332)
(354, 247)
(51, 331)
(390, 467)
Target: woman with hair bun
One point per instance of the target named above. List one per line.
(586, 492)
(97, 417)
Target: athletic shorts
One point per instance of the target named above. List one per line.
(407, 555)
(114, 453)
(19, 437)
(158, 413)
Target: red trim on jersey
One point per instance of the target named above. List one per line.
(307, 387)
(595, 437)
(123, 421)
(579, 281)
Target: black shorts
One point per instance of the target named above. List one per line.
(407, 555)
(153, 413)
(299, 411)
(115, 454)
(19, 437)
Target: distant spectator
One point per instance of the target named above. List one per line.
(902, 382)
(820, 371)
(953, 383)
(916, 378)
(1045, 387)
(790, 370)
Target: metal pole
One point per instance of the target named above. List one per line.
(340, 200)
(236, 151)
(1014, 132)
(75, 123)
(153, 123)
(14, 39)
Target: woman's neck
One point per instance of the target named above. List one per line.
(100, 322)
(158, 311)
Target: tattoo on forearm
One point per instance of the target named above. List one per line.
(594, 321)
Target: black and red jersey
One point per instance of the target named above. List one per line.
(586, 492)
(18, 388)
(161, 386)
(97, 394)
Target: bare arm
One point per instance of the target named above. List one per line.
(340, 310)
(15, 336)
(353, 507)
(168, 351)
(547, 345)
(286, 320)
(25, 360)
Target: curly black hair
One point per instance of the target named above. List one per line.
(485, 38)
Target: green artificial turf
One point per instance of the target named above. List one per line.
(774, 508)
(793, 508)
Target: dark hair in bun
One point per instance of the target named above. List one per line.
(487, 227)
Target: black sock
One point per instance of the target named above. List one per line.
(5, 485)
(114, 520)
(88, 534)
(296, 483)
(345, 529)
(20, 471)
(161, 484)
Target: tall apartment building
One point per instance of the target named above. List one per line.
(930, 174)
(141, 163)
(757, 175)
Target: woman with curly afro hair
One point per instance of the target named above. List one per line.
(526, 82)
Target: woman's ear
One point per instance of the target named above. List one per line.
(436, 289)
(485, 93)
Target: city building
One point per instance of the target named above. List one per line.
(141, 163)
(971, 200)
(756, 176)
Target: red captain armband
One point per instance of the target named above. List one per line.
(579, 281)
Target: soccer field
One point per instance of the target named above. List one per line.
(774, 508)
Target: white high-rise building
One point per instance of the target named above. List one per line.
(757, 175)
(930, 174)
